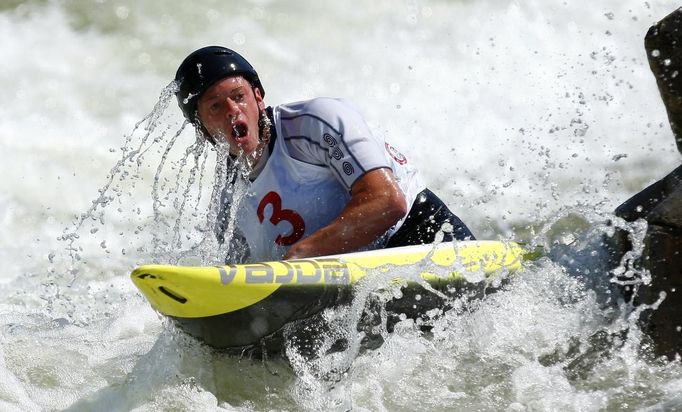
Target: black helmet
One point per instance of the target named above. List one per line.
(204, 67)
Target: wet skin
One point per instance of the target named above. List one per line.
(229, 110)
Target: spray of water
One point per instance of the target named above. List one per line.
(583, 322)
(580, 292)
(535, 101)
(158, 201)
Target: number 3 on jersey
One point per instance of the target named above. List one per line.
(278, 215)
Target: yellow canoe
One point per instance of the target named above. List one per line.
(235, 306)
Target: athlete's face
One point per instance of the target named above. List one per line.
(229, 110)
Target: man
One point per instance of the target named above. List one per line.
(321, 183)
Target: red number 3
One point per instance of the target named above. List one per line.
(278, 215)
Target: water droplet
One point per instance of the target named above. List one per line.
(655, 53)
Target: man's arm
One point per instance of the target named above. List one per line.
(376, 204)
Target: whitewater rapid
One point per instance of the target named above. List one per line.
(533, 120)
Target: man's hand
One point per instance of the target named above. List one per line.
(376, 204)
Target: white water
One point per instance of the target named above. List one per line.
(537, 116)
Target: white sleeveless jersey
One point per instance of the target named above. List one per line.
(322, 147)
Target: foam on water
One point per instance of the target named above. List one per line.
(532, 120)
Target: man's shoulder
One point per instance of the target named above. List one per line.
(327, 108)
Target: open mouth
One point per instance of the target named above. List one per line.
(239, 130)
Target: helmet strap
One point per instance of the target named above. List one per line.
(264, 126)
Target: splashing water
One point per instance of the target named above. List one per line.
(180, 224)
(532, 120)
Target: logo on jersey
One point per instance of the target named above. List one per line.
(395, 154)
(348, 168)
(329, 139)
(336, 153)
